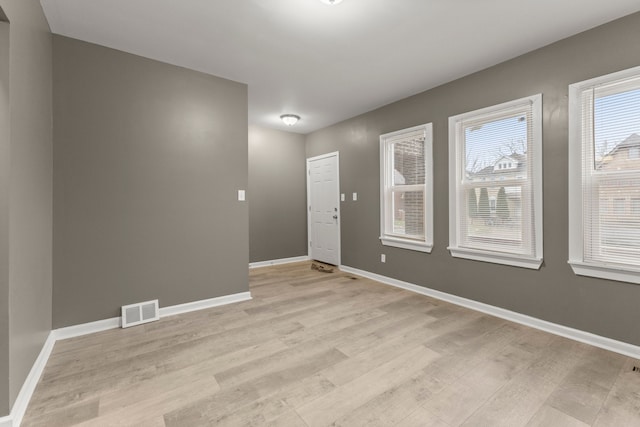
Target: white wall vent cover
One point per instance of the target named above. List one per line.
(142, 312)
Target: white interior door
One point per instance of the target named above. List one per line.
(323, 200)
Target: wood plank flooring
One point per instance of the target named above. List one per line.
(318, 349)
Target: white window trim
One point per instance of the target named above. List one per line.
(425, 245)
(576, 236)
(455, 171)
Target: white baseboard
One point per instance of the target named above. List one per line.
(278, 261)
(28, 387)
(86, 328)
(553, 328)
(20, 406)
(205, 303)
(172, 310)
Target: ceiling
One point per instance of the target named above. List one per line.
(329, 63)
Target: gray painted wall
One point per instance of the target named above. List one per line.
(30, 188)
(4, 215)
(148, 160)
(554, 293)
(277, 194)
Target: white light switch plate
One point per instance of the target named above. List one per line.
(355, 196)
(241, 195)
(342, 197)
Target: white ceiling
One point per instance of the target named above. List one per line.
(329, 63)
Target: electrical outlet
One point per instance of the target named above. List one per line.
(383, 258)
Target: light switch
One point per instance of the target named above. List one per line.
(342, 197)
(355, 196)
(241, 195)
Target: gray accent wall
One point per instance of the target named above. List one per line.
(277, 194)
(148, 161)
(5, 165)
(25, 220)
(554, 293)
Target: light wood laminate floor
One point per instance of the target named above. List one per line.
(317, 349)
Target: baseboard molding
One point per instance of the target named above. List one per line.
(22, 401)
(202, 304)
(86, 328)
(543, 325)
(28, 387)
(278, 261)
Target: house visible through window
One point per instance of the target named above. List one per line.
(495, 199)
(604, 169)
(406, 188)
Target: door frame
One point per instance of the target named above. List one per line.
(335, 154)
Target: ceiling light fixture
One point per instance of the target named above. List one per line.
(289, 119)
(331, 2)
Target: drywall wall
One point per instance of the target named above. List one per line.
(553, 293)
(148, 161)
(277, 195)
(30, 188)
(4, 215)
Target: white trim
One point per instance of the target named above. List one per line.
(385, 183)
(413, 245)
(543, 325)
(456, 170)
(203, 304)
(576, 175)
(115, 322)
(323, 156)
(28, 387)
(621, 274)
(496, 258)
(259, 264)
(86, 328)
(335, 154)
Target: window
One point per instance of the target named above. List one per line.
(604, 176)
(618, 206)
(406, 188)
(635, 206)
(496, 213)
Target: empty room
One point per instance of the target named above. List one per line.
(319, 213)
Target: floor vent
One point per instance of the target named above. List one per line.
(142, 312)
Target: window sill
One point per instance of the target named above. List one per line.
(496, 258)
(621, 274)
(406, 244)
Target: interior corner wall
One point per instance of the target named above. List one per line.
(277, 195)
(29, 207)
(4, 216)
(554, 293)
(148, 161)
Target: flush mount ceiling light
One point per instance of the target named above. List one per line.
(289, 119)
(331, 2)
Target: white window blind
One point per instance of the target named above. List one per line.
(605, 136)
(405, 193)
(495, 183)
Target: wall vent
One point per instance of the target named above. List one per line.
(142, 312)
